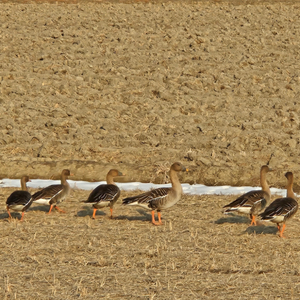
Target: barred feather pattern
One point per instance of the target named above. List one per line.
(154, 199)
(19, 198)
(285, 207)
(54, 193)
(104, 195)
(254, 200)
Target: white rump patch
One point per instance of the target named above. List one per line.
(43, 201)
(144, 205)
(16, 207)
(243, 210)
(277, 219)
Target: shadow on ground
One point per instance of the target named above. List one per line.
(44, 208)
(261, 229)
(87, 211)
(14, 215)
(233, 219)
(144, 216)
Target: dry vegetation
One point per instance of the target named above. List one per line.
(197, 254)
(95, 86)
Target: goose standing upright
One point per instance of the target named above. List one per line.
(282, 209)
(105, 194)
(161, 198)
(19, 200)
(254, 201)
(54, 194)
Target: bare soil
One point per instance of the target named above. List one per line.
(136, 86)
(91, 86)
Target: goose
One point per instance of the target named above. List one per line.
(54, 194)
(282, 209)
(105, 194)
(161, 198)
(19, 200)
(254, 201)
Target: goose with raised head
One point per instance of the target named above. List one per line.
(253, 202)
(54, 194)
(282, 209)
(105, 194)
(161, 198)
(19, 200)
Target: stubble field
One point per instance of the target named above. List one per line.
(93, 86)
(197, 254)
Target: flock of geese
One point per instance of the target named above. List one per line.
(106, 195)
(253, 202)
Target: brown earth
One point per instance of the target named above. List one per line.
(197, 254)
(138, 86)
(91, 86)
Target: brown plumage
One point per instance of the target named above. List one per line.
(282, 209)
(254, 201)
(54, 194)
(19, 200)
(161, 198)
(105, 194)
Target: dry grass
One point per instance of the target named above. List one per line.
(197, 254)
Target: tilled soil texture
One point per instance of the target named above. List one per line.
(197, 254)
(92, 86)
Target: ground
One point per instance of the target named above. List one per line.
(198, 253)
(93, 86)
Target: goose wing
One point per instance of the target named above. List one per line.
(103, 192)
(19, 198)
(247, 200)
(285, 207)
(49, 192)
(148, 198)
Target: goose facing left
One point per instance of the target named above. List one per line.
(54, 194)
(19, 200)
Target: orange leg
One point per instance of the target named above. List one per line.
(282, 230)
(51, 206)
(111, 212)
(22, 216)
(159, 218)
(60, 210)
(253, 222)
(94, 213)
(8, 212)
(278, 227)
(153, 218)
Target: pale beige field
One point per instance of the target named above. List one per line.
(197, 254)
(92, 86)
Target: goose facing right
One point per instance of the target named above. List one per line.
(282, 209)
(105, 194)
(161, 198)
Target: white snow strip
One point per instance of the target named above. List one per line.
(196, 189)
